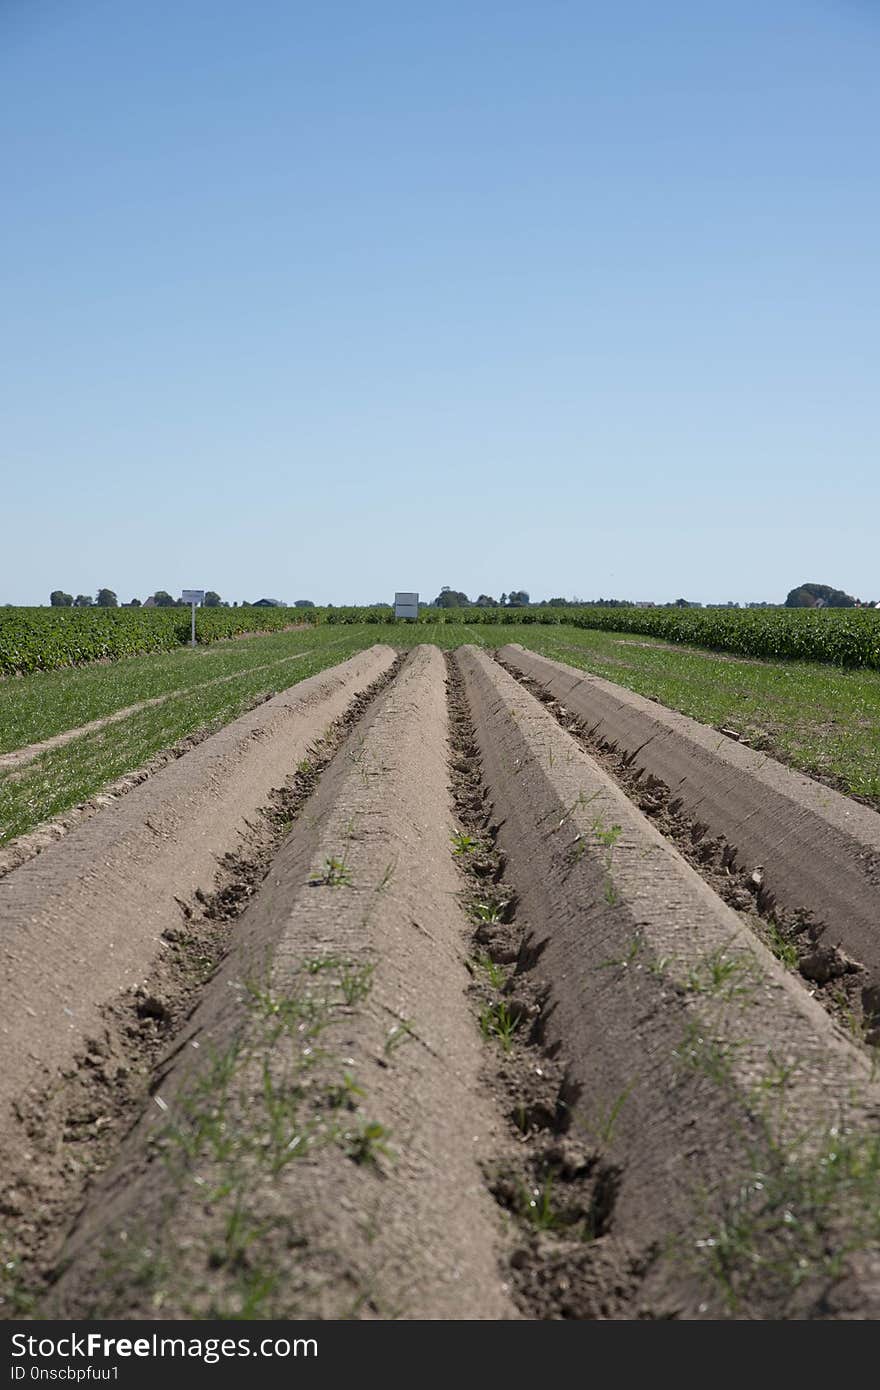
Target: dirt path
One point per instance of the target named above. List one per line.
(479, 1043)
(19, 757)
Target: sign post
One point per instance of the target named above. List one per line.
(406, 606)
(194, 597)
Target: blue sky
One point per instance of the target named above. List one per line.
(327, 299)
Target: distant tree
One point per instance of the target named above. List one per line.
(212, 600)
(557, 603)
(303, 603)
(485, 601)
(818, 596)
(799, 598)
(518, 598)
(83, 601)
(451, 598)
(135, 603)
(107, 599)
(59, 599)
(163, 599)
(503, 600)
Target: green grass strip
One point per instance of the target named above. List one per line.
(63, 777)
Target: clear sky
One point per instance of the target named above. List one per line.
(323, 299)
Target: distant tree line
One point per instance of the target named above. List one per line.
(519, 598)
(454, 598)
(106, 598)
(804, 596)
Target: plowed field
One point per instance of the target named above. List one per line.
(456, 986)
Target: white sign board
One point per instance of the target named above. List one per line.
(193, 596)
(406, 605)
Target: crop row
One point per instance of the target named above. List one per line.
(838, 636)
(43, 639)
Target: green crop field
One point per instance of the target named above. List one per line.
(839, 636)
(198, 691)
(45, 639)
(820, 718)
(817, 716)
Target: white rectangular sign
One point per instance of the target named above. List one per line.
(193, 595)
(406, 605)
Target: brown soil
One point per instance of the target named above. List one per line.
(86, 921)
(449, 1030)
(818, 852)
(70, 1133)
(384, 1211)
(763, 739)
(557, 1189)
(806, 946)
(24, 847)
(673, 1015)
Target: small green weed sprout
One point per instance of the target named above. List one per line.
(708, 1056)
(497, 1021)
(610, 893)
(720, 974)
(496, 973)
(356, 981)
(336, 873)
(487, 912)
(462, 843)
(607, 1120)
(398, 1034)
(346, 1094)
(607, 835)
(367, 1142)
(536, 1204)
(630, 954)
(783, 949)
(794, 1217)
(386, 877)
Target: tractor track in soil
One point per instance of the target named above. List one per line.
(448, 1029)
